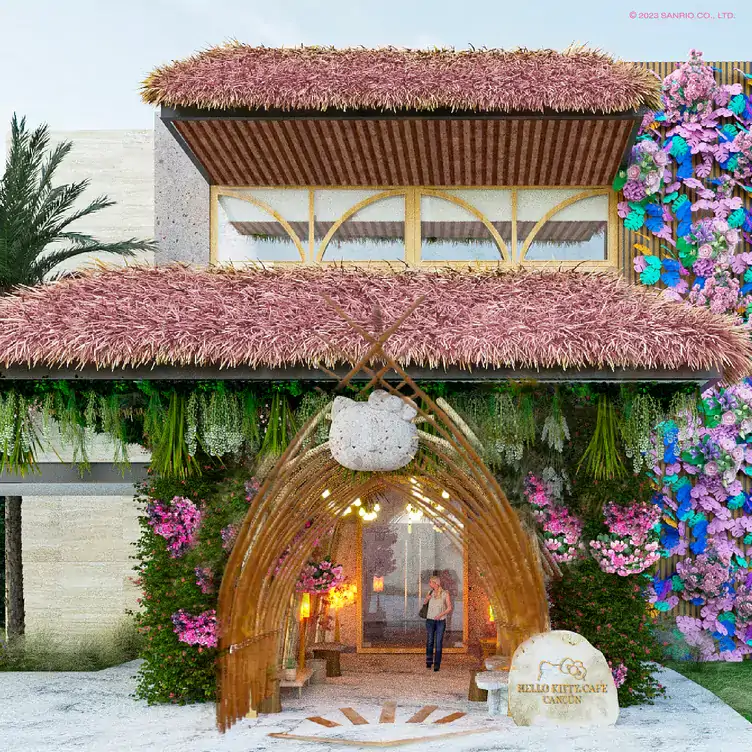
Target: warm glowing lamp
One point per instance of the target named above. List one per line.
(490, 613)
(305, 606)
(339, 597)
(305, 612)
(378, 587)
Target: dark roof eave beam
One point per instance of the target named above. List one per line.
(303, 373)
(196, 113)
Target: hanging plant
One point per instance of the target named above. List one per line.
(311, 404)
(555, 429)
(602, 459)
(280, 427)
(111, 417)
(17, 436)
(169, 451)
(641, 413)
(220, 423)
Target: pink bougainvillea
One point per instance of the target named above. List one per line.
(196, 630)
(632, 543)
(320, 577)
(562, 531)
(176, 522)
(619, 673)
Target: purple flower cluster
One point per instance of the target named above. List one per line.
(176, 522)
(619, 673)
(196, 630)
(205, 579)
(228, 535)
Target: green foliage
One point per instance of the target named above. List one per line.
(35, 214)
(602, 458)
(18, 438)
(610, 613)
(51, 651)
(280, 426)
(174, 671)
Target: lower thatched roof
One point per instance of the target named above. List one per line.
(180, 316)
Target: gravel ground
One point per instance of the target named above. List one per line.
(93, 712)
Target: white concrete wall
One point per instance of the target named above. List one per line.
(76, 549)
(120, 165)
(77, 574)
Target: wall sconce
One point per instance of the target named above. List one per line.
(305, 606)
(378, 584)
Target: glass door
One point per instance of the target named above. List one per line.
(399, 552)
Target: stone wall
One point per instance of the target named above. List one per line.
(181, 202)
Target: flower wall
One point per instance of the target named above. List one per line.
(687, 188)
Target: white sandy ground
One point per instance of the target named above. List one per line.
(93, 712)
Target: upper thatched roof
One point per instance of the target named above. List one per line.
(319, 78)
(180, 316)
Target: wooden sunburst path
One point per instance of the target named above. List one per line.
(387, 716)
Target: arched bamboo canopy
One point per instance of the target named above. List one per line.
(257, 585)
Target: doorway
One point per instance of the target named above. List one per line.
(397, 553)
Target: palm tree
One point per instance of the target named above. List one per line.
(35, 238)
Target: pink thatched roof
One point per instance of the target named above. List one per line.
(317, 78)
(180, 316)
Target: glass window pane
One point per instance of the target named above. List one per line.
(579, 232)
(374, 233)
(247, 232)
(399, 555)
(449, 232)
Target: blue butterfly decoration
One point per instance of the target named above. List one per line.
(669, 537)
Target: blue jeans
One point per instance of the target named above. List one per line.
(434, 637)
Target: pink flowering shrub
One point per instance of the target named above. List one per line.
(562, 531)
(196, 630)
(228, 535)
(632, 543)
(176, 522)
(320, 577)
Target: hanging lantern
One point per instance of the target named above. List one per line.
(378, 584)
(305, 606)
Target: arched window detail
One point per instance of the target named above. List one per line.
(573, 230)
(455, 226)
(372, 229)
(249, 230)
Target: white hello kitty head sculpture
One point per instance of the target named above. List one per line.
(377, 435)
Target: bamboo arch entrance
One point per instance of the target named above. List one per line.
(307, 484)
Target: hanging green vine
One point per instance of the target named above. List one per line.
(602, 459)
(640, 414)
(555, 428)
(18, 438)
(281, 426)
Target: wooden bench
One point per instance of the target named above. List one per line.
(300, 680)
(497, 688)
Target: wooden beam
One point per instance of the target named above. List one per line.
(388, 711)
(377, 745)
(422, 714)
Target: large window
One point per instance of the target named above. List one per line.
(417, 226)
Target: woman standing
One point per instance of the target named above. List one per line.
(439, 607)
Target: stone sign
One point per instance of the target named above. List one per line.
(559, 679)
(377, 435)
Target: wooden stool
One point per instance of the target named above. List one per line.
(329, 652)
(475, 693)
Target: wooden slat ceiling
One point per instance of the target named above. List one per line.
(397, 152)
